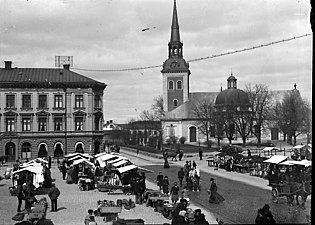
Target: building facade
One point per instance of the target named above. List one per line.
(49, 112)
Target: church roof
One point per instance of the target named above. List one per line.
(186, 110)
(232, 97)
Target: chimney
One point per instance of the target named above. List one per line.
(8, 65)
(111, 121)
(66, 66)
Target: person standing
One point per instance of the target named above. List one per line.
(166, 185)
(63, 169)
(181, 175)
(159, 180)
(53, 194)
(215, 197)
(49, 162)
(174, 193)
(194, 164)
(180, 155)
(20, 194)
(29, 192)
(200, 154)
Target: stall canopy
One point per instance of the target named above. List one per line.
(116, 160)
(121, 162)
(83, 161)
(126, 168)
(276, 159)
(83, 155)
(37, 170)
(100, 154)
(269, 149)
(76, 158)
(212, 154)
(303, 162)
(141, 169)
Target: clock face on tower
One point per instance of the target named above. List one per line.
(174, 64)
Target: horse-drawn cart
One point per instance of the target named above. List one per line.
(289, 190)
(282, 190)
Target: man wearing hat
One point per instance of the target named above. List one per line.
(264, 216)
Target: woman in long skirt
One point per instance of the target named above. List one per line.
(215, 197)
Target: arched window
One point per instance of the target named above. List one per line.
(175, 102)
(170, 85)
(179, 85)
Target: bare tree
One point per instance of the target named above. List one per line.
(294, 114)
(204, 112)
(261, 104)
(243, 123)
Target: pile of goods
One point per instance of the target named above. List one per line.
(108, 207)
(39, 209)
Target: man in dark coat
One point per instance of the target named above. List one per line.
(20, 194)
(181, 175)
(159, 180)
(53, 194)
(200, 153)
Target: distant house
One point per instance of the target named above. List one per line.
(134, 133)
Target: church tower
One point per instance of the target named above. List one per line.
(175, 70)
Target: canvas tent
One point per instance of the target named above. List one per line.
(276, 159)
(120, 163)
(126, 168)
(84, 161)
(36, 170)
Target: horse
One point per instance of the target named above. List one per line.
(173, 155)
(194, 176)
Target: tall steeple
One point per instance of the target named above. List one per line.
(175, 70)
(175, 27)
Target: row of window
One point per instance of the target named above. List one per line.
(178, 85)
(26, 123)
(43, 101)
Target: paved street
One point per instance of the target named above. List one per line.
(243, 193)
(243, 196)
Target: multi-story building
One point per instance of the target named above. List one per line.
(49, 112)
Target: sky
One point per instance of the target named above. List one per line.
(104, 35)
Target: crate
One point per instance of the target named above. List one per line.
(37, 215)
(110, 209)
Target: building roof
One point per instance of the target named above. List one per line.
(186, 110)
(144, 125)
(232, 97)
(45, 77)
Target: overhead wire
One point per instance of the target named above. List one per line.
(200, 59)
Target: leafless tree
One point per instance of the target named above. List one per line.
(261, 104)
(293, 114)
(204, 113)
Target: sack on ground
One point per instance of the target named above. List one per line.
(18, 217)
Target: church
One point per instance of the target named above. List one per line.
(179, 103)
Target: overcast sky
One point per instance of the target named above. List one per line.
(107, 34)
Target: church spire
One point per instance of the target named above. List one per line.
(175, 27)
(175, 46)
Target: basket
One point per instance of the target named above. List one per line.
(110, 209)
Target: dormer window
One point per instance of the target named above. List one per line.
(170, 85)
